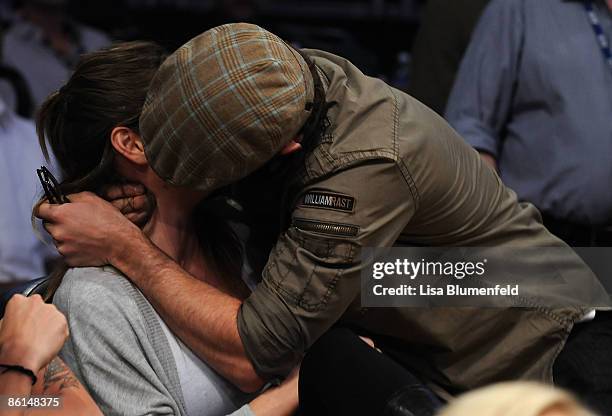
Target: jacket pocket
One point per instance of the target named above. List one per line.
(310, 266)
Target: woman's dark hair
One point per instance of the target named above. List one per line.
(108, 89)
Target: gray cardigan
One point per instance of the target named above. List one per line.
(117, 347)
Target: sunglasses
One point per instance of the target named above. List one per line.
(51, 186)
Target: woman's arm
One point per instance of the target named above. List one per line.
(58, 381)
(31, 333)
(54, 381)
(278, 401)
(13, 385)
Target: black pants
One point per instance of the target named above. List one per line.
(585, 364)
(342, 375)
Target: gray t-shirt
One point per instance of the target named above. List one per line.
(123, 354)
(205, 392)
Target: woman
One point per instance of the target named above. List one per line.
(516, 399)
(119, 347)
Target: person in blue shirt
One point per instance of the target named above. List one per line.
(534, 97)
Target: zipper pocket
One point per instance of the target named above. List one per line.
(328, 228)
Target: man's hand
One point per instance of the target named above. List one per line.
(31, 333)
(88, 231)
(131, 200)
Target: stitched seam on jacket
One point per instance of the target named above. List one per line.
(281, 276)
(400, 161)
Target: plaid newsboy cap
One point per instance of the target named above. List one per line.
(223, 105)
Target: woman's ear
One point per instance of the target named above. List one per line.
(128, 144)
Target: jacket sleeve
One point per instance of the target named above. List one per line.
(313, 273)
(106, 348)
(481, 99)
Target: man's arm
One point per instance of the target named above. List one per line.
(90, 231)
(311, 279)
(201, 315)
(313, 275)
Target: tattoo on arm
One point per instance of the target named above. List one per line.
(59, 376)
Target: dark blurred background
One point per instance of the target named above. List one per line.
(371, 33)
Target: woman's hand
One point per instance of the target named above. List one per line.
(31, 333)
(279, 401)
(370, 342)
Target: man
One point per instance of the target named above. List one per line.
(356, 164)
(534, 96)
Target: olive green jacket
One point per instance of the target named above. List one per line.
(390, 170)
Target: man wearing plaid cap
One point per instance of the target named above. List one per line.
(354, 163)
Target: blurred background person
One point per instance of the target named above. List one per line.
(43, 43)
(534, 96)
(40, 45)
(444, 35)
(23, 256)
(516, 399)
